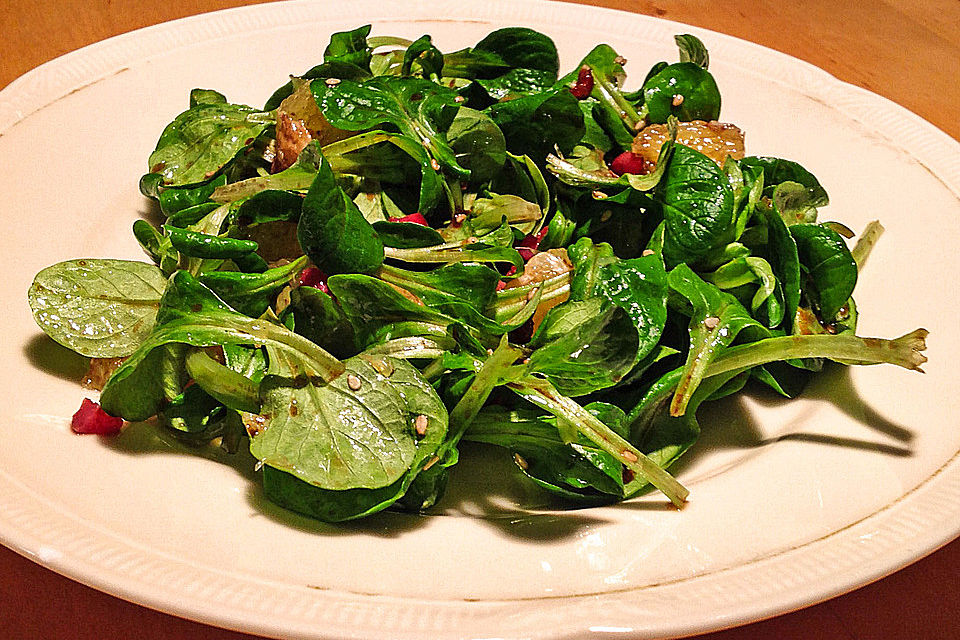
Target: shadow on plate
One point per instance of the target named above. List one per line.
(486, 486)
(55, 359)
(728, 424)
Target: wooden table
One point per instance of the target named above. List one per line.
(906, 51)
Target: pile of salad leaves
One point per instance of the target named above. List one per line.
(407, 251)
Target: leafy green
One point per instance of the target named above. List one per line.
(98, 307)
(333, 232)
(357, 431)
(204, 139)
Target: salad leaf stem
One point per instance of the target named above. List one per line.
(904, 351)
(542, 394)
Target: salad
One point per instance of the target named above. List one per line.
(407, 252)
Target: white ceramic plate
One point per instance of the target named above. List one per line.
(791, 502)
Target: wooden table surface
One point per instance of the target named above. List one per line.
(906, 51)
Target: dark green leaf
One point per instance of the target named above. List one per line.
(827, 260)
(333, 232)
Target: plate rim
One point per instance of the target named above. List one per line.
(935, 149)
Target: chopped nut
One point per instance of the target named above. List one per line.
(434, 164)
(353, 382)
(647, 252)
(599, 195)
(459, 99)
(432, 461)
(629, 455)
(711, 322)
(620, 60)
(420, 424)
(677, 100)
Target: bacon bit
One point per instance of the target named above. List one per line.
(628, 455)
(99, 372)
(91, 418)
(458, 220)
(677, 99)
(711, 322)
(381, 366)
(292, 136)
(501, 285)
(332, 82)
(253, 423)
(416, 218)
(420, 424)
(520, 461)
(629, 162)
(353, 382)
(313, 277)
(584, 84)
(716, 140)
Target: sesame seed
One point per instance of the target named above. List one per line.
(420, 424)
(711, 322)
(628, 455)
(332, 82)
(677, 100)
(520, 461)
(353, 382)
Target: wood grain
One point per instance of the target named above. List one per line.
(906, 51)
